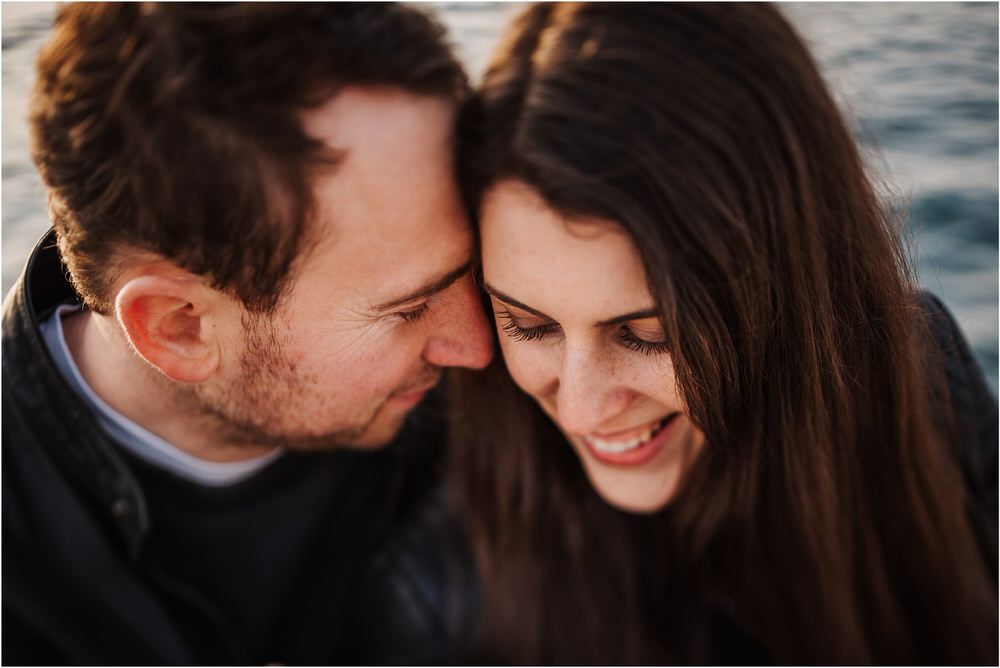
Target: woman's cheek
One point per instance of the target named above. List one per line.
(529, 364)
(649, 375)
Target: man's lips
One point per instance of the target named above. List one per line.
(411, 395)
(414, 395)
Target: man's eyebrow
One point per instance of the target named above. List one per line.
(634, 315)
(429, 288)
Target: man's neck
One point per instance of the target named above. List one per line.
(130, 386)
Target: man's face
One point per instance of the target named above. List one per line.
(381, 303)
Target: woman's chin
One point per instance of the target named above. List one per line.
(640, 489)
(633, 492)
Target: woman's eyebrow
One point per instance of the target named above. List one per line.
(513, 302)
(634, 315)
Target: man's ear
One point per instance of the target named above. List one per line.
(167, 320)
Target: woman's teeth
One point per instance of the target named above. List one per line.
(604, 445)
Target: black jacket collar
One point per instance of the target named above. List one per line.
(48, 406)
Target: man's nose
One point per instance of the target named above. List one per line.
(587, 396)
(460, 334)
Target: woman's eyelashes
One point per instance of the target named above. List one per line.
(633, 342)
(515, 331)
(628, 339)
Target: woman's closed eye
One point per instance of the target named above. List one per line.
(522, 332)
(631, 341)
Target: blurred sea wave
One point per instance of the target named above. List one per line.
(917, 80)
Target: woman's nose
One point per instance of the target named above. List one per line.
(588, 396)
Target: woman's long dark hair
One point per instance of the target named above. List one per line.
(825, 520)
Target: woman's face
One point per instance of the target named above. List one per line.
(578, 333)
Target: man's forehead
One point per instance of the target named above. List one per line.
(395, 178)
(357, 117)
(389, 218)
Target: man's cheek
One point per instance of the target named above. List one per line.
(339, 348)
(388, 365)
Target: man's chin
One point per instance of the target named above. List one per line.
(382, 426)
(378, 432)
(381, 431)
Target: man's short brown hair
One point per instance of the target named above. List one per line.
(173, 129)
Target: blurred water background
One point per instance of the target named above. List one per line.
(918, 81)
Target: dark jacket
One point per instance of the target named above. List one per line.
(80, 584)
(423, 585)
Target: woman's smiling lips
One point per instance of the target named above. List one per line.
(633, 447)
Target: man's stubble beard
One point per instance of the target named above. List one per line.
(248, 411)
